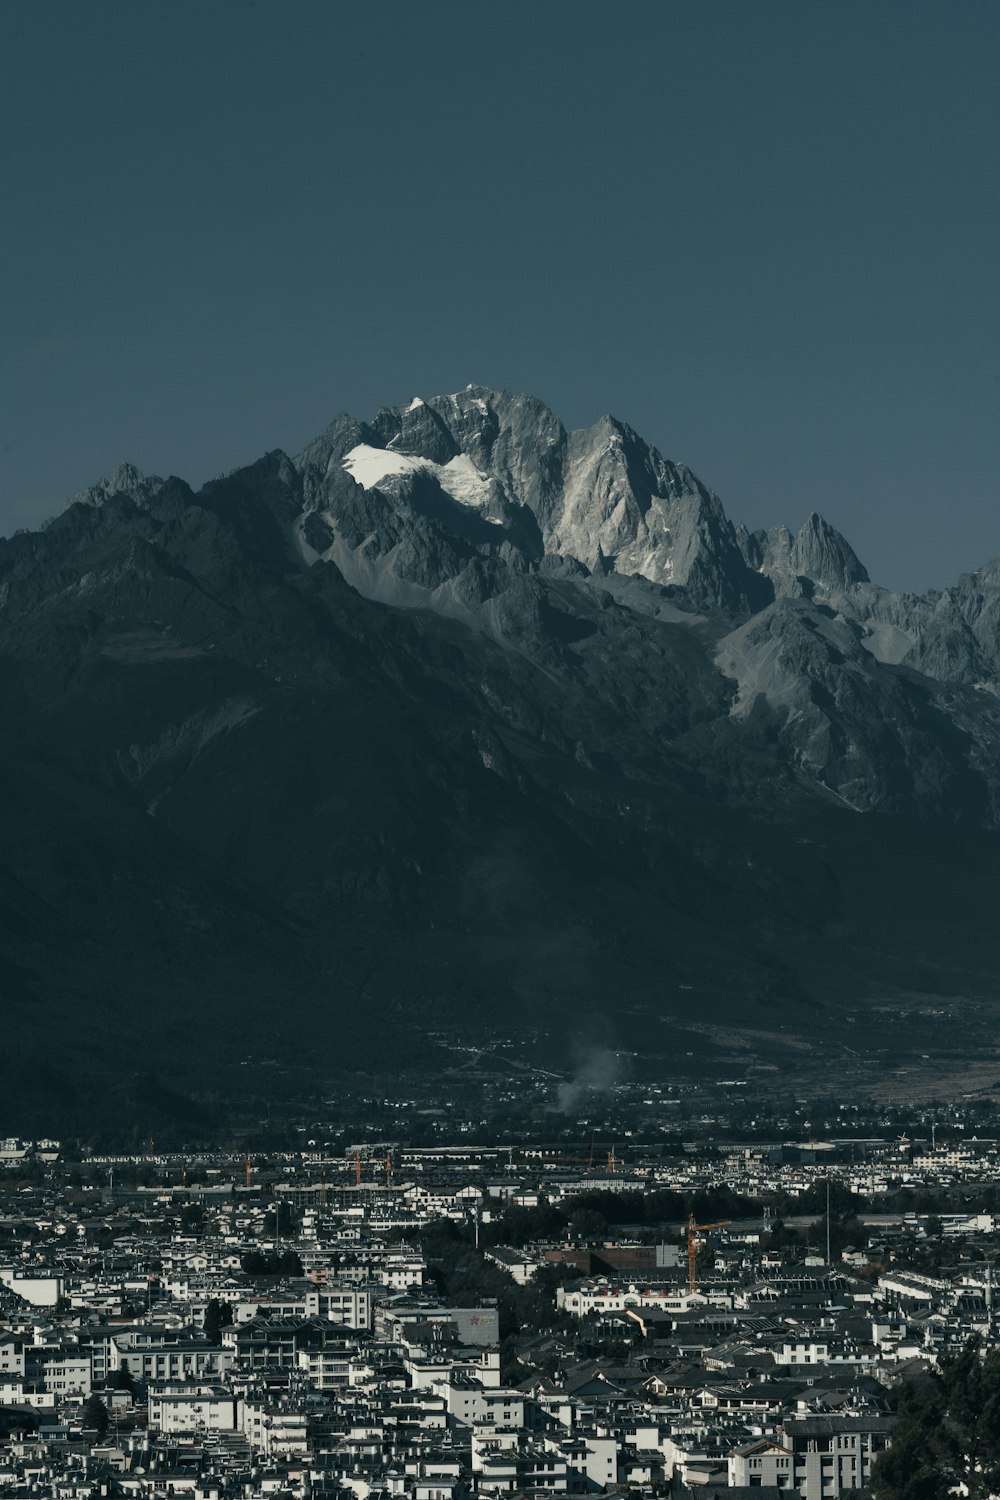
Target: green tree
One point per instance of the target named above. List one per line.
(192, 1218)
(947, 1433)
(271, 1263)
(843, 1232)
(95, 1414)
(218, 1315)
(783, 1238)
(588, 1224)
(281, 1221)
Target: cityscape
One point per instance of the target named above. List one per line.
(332, 1311)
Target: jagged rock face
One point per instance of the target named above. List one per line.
(822, 554)
(600, 496)
(456, 676)
(626, 509)
(874, 738)
(481, 507)
(454, 502)
(817, 557)
(125, 480)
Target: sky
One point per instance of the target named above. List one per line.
(767, 235)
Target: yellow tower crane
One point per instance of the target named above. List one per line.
(693, 1230)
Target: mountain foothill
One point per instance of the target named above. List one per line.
(460, 720)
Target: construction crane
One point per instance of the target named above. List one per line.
(693, 1230)
(248, 1171)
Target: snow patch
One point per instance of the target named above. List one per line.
(416, 404)
(369, 466)
(459, 477)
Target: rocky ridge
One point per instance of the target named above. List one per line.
(456, 709)
(852, 676)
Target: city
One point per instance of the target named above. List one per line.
(340, 1312)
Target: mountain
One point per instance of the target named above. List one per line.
(459, 721)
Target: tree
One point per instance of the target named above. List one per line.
(947, 1433)
(781, 1237)
(192, 1218)
(95, 1414)
(218, 1315)
(843, 1232)
(905, 1470)
(281, 1222)
(271, 1263)
(588, 1224)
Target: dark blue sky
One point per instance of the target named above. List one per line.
(766, 234)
